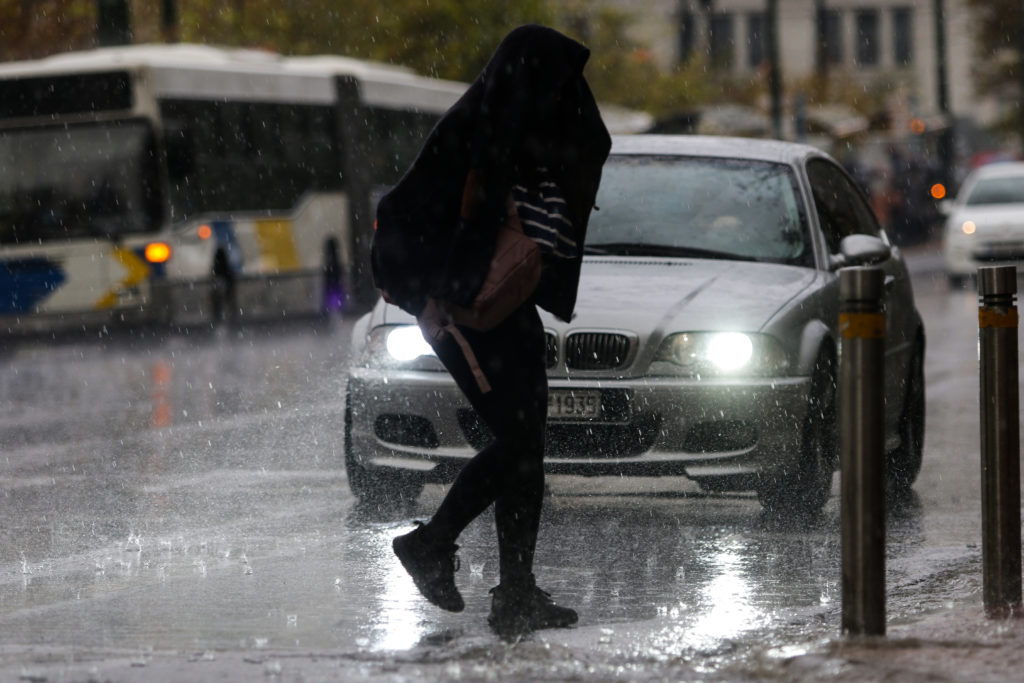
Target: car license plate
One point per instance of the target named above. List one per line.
(564, 404)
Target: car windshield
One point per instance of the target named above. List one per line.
(698, 207)
(1005, 190)
(68, 182)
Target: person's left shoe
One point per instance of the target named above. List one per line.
(520, 609)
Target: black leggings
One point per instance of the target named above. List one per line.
(509, 472)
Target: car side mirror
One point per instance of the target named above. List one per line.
(860, 250)
(945, 206)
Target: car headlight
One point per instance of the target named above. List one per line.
(400, 346)
(960, 228)
(714, 354)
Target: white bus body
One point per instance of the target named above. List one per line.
(185, 183)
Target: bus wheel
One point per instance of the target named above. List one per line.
(333, 293)
(223, 304)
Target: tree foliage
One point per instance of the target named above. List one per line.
(442, 38)
(36, 28)
(998, 60)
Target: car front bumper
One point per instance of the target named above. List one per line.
(964, 255)
(703, 429)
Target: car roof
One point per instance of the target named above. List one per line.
(714, 146)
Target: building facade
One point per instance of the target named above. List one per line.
(857, 41)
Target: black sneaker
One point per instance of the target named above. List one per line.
(432, 567)
(517, 610)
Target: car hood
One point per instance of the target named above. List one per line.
(655, 294)
(648, 295)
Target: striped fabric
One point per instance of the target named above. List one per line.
(541, 210)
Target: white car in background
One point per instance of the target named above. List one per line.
(985, 223)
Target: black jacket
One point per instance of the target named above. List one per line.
(529, 107)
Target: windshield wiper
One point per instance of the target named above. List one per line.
(645, 249)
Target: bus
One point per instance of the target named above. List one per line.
(189, 184)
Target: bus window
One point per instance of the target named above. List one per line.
(251, 156)
(397, 137)
(69, 182)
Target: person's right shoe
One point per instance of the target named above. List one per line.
(518, 610)
(432, 567)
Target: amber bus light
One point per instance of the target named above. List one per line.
(158, 252)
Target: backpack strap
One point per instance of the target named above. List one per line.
(435, 323)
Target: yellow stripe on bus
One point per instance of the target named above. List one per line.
(277, 244)
(136, 272)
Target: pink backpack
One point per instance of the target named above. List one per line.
(513, 276)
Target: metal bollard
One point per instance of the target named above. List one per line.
(862, 449)
(1000, 439)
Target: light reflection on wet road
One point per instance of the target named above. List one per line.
(186, 493)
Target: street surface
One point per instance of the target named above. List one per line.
(174, 507)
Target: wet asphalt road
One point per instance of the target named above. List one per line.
(180, 498)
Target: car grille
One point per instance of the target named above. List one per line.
(596, 351)
(550, 350)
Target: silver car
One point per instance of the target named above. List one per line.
(704, 344)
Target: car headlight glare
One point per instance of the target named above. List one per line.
(720, 353)
(406, 343)
(729, 350)
(399, 346)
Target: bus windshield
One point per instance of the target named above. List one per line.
(74, 182)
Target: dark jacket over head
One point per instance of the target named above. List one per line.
(530, 107)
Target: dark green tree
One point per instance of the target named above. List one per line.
(999, 54)
(442, 38)
(36, 28)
